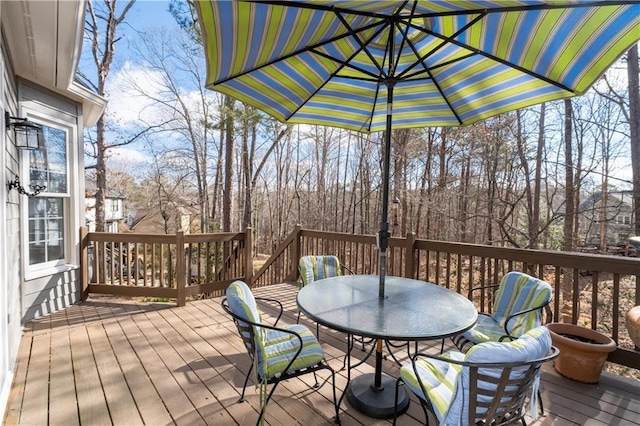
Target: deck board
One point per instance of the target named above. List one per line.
(122, 362)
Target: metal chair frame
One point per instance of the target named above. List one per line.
(506, 402)
(247, 331)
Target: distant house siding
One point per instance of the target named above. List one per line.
(616, 221)
(114, 213)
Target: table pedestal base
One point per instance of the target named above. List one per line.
(378, 403)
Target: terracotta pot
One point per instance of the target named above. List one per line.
(582, 354)
(633, 324)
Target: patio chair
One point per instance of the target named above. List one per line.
(313, 268)
(489, 385)
(277, 353)
(518, 307)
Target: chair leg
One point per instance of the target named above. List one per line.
(266, 401)
(540, 403)
(246, 380)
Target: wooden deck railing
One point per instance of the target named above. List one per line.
(589, 289)
(592, 290)
(175, 266)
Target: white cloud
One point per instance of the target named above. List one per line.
(126, 157)
(132, 90)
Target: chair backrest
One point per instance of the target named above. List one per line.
(517, 292)
(498, 377)
(242, 305)
(314, 268)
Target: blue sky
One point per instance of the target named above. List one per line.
(144, 16)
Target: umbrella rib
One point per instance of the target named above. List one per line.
(363, 47)
(420, 59)
(345, 63)
(504, 62)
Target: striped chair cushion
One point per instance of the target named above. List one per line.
(242, 303)
(485, 330)
(274, 349)
(440, 380)
(280, 347)
(536, 343)
(517, 292)
(447, 385)
(314, 268)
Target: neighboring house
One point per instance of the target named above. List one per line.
(40, 44)
(616, 221)
(113, 208)
(167, 221)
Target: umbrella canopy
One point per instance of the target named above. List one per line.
(383, 65)
(451, 63)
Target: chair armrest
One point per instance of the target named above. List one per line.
(274, 301)
(483, 287)
(525, 311)
(343, 266)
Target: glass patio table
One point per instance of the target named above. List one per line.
(410, 310)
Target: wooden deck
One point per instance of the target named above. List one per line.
(114, 361)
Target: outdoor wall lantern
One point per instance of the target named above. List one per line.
(28, 135)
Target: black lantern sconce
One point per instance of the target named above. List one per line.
(28, 135)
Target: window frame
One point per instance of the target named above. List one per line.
(69, 199)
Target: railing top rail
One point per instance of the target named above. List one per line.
(163, 238)
(130, 238)
(222, 236)
(592, 262)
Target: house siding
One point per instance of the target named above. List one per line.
(10, 296)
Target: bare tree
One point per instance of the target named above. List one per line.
(101, 29)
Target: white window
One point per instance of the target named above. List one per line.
(47, 213)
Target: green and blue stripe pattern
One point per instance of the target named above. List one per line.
(451, 63)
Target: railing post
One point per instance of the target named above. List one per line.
(84, 264)
(181, 269)
(410, 259)
(248, 256)
(295, 252)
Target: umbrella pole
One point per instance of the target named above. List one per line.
(379, 400)
(383, 236)
(384, 223)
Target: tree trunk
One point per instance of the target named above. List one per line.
(227, 196)
(101, 175)
(634, 124)
(103, 46)
(567, 287)
(535, 212)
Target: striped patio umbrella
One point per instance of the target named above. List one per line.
(380, 65)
